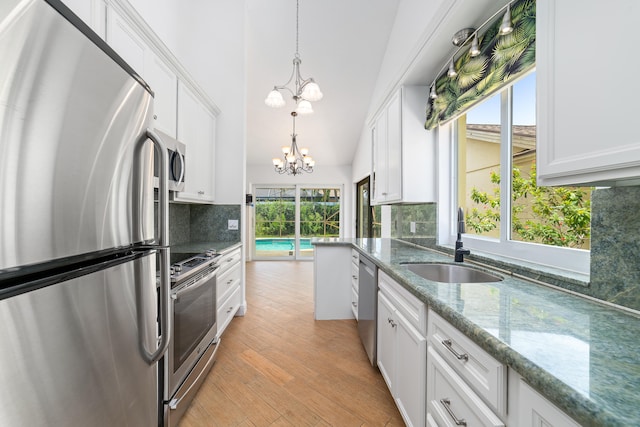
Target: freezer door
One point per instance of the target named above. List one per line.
(71, 353)
(70, 117)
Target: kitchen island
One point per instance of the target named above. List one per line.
(578, 353)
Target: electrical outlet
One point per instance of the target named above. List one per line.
(412, 226)
(232, 224)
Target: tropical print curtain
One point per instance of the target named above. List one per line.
(502, 59)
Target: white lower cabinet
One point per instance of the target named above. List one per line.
(533, 410)
(402, 347)
(333, 282)
(228, 288)
(464, 383)
(451, 401)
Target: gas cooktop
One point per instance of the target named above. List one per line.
(190, 266)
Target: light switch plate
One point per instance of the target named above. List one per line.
(232, 224)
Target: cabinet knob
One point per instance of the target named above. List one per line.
(201, 193)
(155, 117)
(230, 308)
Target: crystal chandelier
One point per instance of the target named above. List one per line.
(304, 91)
(295, 160)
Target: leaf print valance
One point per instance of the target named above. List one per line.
(502, 59)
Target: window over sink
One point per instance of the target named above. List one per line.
(495, 155)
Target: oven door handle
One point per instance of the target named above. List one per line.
(195, 285)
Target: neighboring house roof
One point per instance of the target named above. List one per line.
(524, 136)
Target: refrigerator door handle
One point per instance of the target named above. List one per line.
(163, 252)
(163, 190)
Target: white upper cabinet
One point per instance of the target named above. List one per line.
(196, 128)
(92, 12)
(164, 83)
(132, 47)
(403, 167)
(587, 92)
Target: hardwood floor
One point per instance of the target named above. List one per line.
(277, 366)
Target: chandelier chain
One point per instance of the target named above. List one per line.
(297, 27)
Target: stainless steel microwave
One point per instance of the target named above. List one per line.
(177, 165)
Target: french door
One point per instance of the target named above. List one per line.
(287, 218)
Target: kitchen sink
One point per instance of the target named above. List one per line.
(452, 273)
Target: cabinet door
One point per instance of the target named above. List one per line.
(92, 12)
(535, 411)
(586, 122)
(386, 341)
(164, 83)
(380, 161)
(196, 128)
(394, 150)
(126, 41)
(411, 364)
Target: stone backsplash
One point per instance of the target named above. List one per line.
(422, 215)
(190, 223)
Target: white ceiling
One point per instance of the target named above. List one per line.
(341, 44)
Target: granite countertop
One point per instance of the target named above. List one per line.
(199, 247)
(582, 355)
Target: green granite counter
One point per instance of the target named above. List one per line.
(582, 355)
(190, 249)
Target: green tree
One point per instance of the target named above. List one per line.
(558, 216)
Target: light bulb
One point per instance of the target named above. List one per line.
(304, 151)
(311, 92)
(304, 107)
(274, 99)
(506, 26)
(285, 149)
(275, 161)
(433, 94)
(475, 48)
(291, 158)
(452, 69)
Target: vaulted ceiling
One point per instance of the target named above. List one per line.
(341, 44)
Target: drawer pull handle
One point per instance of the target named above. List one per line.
(230, 308)
(355, 277)
(448, 345)
(391, 322)
(446, 402)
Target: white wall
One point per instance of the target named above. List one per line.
(331, 176)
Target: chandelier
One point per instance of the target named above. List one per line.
(304, 91)
(295, 160)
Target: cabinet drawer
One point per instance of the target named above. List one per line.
(407, 304)
(450, 400)
(355, 257)
(228, 260)
(228, 309)
(355, 274)
(354, 302)
(481, 371)
(226, 281)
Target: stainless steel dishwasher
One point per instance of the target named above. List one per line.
(368, 306)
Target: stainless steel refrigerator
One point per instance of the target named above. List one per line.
(83, 280)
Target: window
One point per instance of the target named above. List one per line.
(286, 218)
(496, 155)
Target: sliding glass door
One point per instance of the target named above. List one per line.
(286, 218)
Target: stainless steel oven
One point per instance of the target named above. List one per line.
(193, 347)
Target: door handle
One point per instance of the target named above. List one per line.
(163, 251)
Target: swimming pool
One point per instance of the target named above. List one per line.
(284, 244)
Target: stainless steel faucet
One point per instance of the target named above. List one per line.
(460, 251)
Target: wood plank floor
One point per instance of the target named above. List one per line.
(277, 366)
